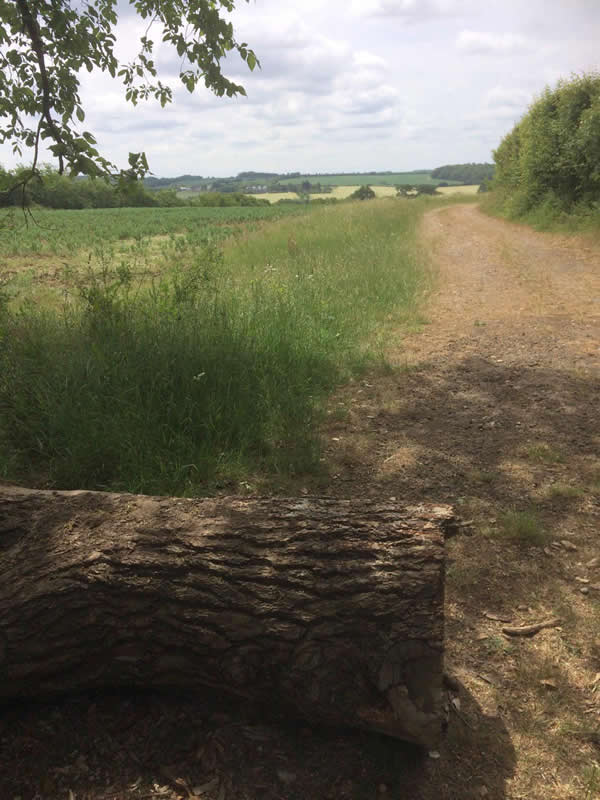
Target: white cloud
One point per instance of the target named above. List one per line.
(350, 84)
(505, 97)
(483, 43)
(407, 10)
(366, 60)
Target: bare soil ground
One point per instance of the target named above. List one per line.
(495, 407)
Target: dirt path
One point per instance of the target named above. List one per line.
(497, 411)
(515, 280)
(510, 358)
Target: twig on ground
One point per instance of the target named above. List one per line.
(529, 630)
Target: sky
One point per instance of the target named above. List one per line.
(351, 85)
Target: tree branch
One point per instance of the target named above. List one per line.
(33, 31)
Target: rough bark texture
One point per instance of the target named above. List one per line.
(330, 608)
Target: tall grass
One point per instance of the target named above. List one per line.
(214, 372)
(548, 215)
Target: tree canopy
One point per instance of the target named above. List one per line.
(45, 44)
(363, 193)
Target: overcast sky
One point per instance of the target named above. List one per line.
(354, 85)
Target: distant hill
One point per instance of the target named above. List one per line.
(421, 177)
(262, 182)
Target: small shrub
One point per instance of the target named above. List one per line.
(363, 193)
(426, 188)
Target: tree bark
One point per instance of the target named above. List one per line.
(332, 609)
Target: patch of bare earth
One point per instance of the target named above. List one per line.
(498, 411)
(494, 407)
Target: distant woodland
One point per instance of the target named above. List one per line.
(469, 174)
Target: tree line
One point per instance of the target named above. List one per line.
(50, 189)
(469, 174)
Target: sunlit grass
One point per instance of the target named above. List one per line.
(212, 368)
(467, 190)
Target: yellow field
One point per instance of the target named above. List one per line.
(458, 189)
(345, 191)
(273, 197)
(339, 192)
(384, 191)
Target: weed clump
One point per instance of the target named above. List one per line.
(544, 454)
(524, 527)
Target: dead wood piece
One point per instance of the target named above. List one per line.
(329, 609)
(496, 617)
(530, 630)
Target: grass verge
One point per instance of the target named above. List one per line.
(216, 370)
(546, 216)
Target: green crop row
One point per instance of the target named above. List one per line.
(61, 232)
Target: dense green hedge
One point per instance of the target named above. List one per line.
(551, 158)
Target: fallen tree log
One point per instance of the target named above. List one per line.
(332, 609)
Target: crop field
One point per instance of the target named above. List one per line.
(371, 179)
(339, 192)
(44, 255)
(273, 197)
(185, 361)
(453, 190)
(61, 232)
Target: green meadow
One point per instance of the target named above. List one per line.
(195, 361)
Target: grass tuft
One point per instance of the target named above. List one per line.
(564, 491)
(522, 526)
(544, 454)
(591, 781)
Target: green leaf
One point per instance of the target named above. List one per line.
(74, 36)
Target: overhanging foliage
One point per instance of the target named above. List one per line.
(45, 44)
